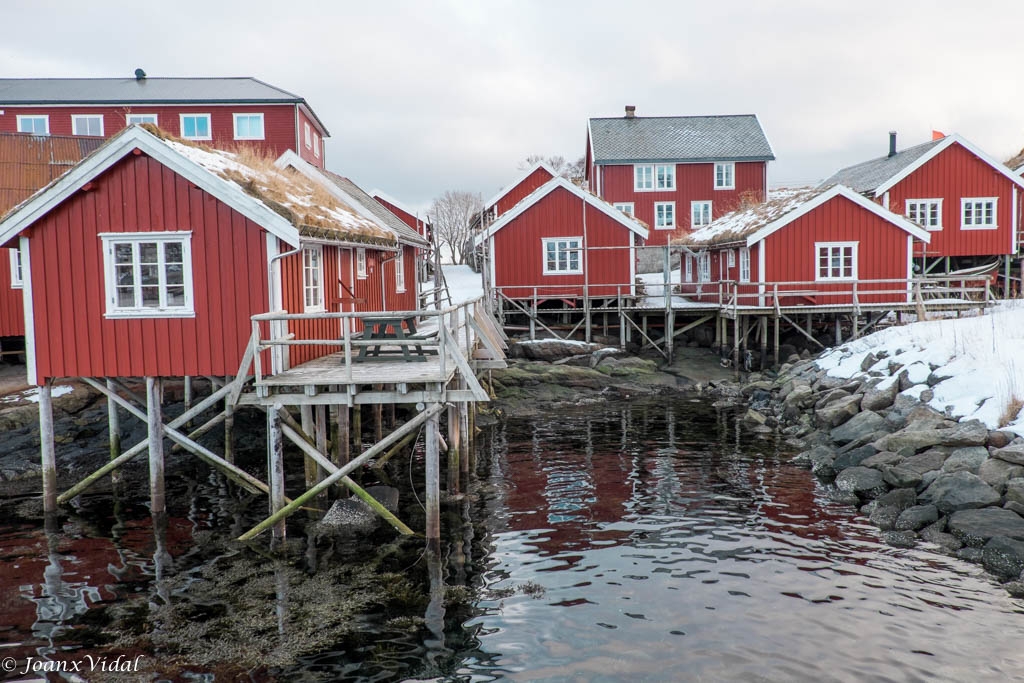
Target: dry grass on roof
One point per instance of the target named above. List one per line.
(1016, 161)
(750, 215)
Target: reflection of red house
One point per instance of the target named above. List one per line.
(968, 202)
(562, 241)
(819, 247)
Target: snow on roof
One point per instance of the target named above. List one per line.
(312, 209)
(739, 224)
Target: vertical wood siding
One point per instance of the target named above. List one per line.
(519, 257)
(951, 175)
(307, 152)
(694, 182)
(522, 189)
(229, 266)
(12, 307)
(417, 224)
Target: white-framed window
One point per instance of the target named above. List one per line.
(400, 270)
(17, 278)
(148, 274)
(978, 213)
(731, 257)
(700, 214)
(562, 256)
(361, 263)
(196, 127)
(87, 124)
(316, 144)
(925, 212)
(308, 134)
(836, 261)
(37, 124)
(248, 126)
(725, 176)
(654, 177)
(704, 267)
(625, 207)
(131, 119)
(689, 268)
(664, 215)
(744, 264)
(313, 278)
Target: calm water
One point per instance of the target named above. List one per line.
(644, 542)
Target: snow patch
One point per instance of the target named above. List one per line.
(32, 395)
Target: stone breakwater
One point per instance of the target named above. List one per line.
(916, 473)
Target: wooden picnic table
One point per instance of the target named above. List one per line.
(391, 330)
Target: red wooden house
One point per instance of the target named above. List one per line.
(822, 247)
(510, 195)
(677, 173)
(220, 112)
(409, 217)
(27, 163)
(563, 242)
(150, 256)
(968, 202)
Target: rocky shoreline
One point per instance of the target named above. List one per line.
(916, 473)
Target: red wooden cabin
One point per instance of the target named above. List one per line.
(510, 195)
(150, 256)
(219, 112)
(412, 219)
(822, 247)
(28, 163)
(968, 202)
(677, 173)
(563, 242)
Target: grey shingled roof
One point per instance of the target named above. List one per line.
(679, 138)
(868, 175)
(404, 232)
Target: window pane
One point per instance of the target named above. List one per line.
(125, 275)
(175, 296)
(126, 297)
(122, 253)
(147, 252)
(175, 274)
(149, 275)
(173, 252)
(150, 297)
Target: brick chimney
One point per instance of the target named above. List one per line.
(630, 111)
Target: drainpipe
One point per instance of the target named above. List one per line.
(277, 354)
(383, 291)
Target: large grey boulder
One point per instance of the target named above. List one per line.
(959, 491)
(1004, 557)
(913, 374)
(884, 518)
(348, 516)
(930, 460)
(997, 473)
(901, 477)
(969, 433)
(1015, 491)
(883, 460)
(800, 397)
(975, 527)
(837, 412)
(864, 482)
(917, 517)
(859, 426)
(1013, 453)
(853, 458)
(551, 349)
(880, 396)
(966, 459)
(912, 439)
(934, 533)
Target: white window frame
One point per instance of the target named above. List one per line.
(689, 268)
(75, 118)
(400, 269)
(728, 175)
(209, 125)
(113, 310)
(625, 207)
(657, 218)
(669, 171)
(31, 117)
(829, 276)
(249, 115)
(703, 207)
(17, 272)
(655, 177)
(141, 118)
(704, 267)
(361, 263)
(308, 130)
(316, 144)
(913, 212)
(313, 291)
(974, 202)
(643, 177)
(744, 275)
(571, 244)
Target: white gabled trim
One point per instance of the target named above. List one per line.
(1014, 218)
(934, 151)
(885, 201)
(490, 257)
(546, 189)
(120, 146)
(632, 264)
(910, 268)
(30, 318)
(523, 176)
(839, 191)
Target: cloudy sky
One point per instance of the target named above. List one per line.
(424, 96)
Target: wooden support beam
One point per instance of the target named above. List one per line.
(201, 430)
(763, 337)
(343, 442)
(321, 428)
(454, 443)
(188, 396)
(379, 463)
(736, 347)
(464, 441)
(309, 465)
(433, 485)
(357, 429)
(113, 432)
(154, 414)
(229, 427)
(775, 341)
(47, 452)
(801, 330)
(275, 467)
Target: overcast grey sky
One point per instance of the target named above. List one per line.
(421, 97)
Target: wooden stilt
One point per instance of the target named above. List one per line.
(188, 395)
(343, 444)
(763, 336)
(390, 412)
(454, 442)
(471, 440)
(839, 331)
(463, 410)
(320, 420)
(155, 429)
(357, 429)
(114, 432)
(229, 428)
(275, 467)
(670, 326)
(736, 346)
(309, 465)
(433, 481)
(717, 344)
(47, 452)
(378, 418)
(775, 341)
(855, 324)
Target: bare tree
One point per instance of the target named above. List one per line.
(572, 171)
(452, 215)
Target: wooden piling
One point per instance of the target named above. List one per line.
(229, 427)
(357, 429)
(309, 465)
(454, 442)
(775, 345)
(321, 425)
(343, 442)
(763, 333)
(47, 452)
(433, 485)
(736, 346)
(463, 410)
(275, 467)
(155, 430)
(114, 432)
(188, 396)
